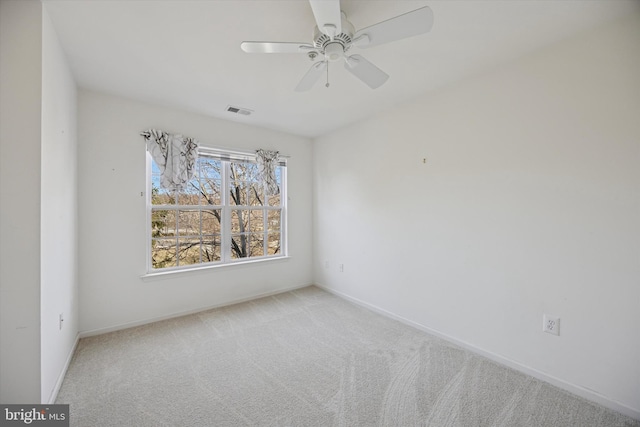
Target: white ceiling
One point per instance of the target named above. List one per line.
(186, 54)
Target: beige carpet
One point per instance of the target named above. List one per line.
(304, 358)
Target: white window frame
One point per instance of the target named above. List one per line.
(226, 157)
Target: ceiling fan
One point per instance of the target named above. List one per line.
(334, 36)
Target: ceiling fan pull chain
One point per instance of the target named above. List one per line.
(327, 85)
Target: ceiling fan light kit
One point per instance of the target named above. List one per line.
(333, 51)
(334, 36)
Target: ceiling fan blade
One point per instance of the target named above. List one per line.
(373, 76)
(409, 24)
(328, 17)
(312, 76)
(275, 47)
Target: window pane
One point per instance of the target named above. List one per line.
(210, 180)
(251, 170)
(238, 193)
(273, 220)
(211, 220)
(211, 249)
(239, 220)
(189, 223)
(241, 171)
(155, 170)
(256, 221)
(256, 194)
(210, 191)
(189, 251)
(256, 244)
(159, 195)
(163, 223)
(191, 194)
(275, 199)
(239, 246)
(273, 245)
(210, 168)
(163, 253)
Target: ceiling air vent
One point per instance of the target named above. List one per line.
(238, 110)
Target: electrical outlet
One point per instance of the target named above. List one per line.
(551, 324)
(61, 319)
(341, 268)
(326, 264)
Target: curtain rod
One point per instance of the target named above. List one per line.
(234, 152)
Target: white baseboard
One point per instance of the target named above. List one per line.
(141, 322)
(572, 388)
(63, 373)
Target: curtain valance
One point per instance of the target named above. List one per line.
(267, 162)
(175, 156)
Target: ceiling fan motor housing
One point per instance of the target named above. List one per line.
(334, 50)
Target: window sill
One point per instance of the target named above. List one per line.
(207, 268)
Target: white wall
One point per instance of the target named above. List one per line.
(529, 203)
(38, 199)
(20, 134)
(58, 245)
(112, 216)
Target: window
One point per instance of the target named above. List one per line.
(223, 216)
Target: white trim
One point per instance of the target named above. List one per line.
(148, 207)
(583, 392)
(231, 152)
(93, 332)
(225, 227)
(63, 373)
(284, 212)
